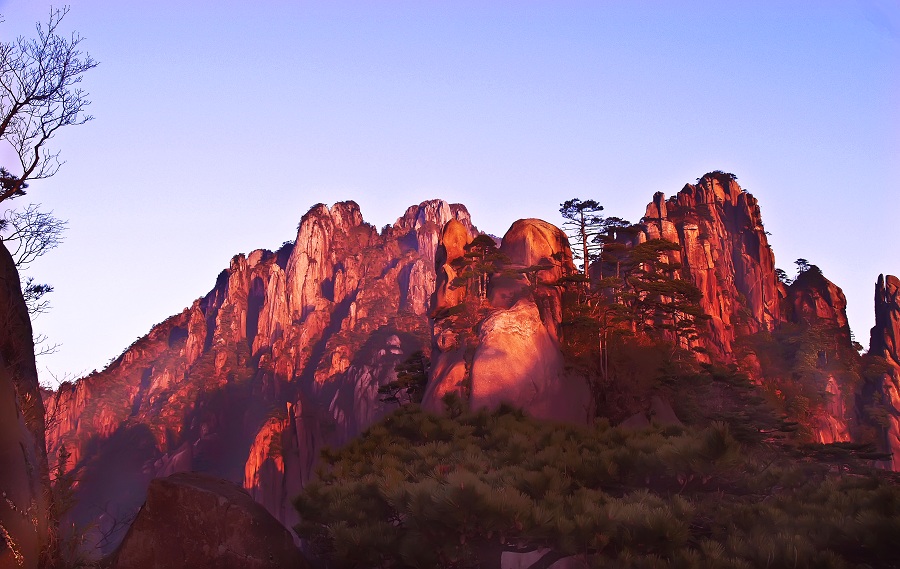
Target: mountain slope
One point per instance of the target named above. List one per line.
(282, 357)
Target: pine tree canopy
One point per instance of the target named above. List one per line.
(422, 490)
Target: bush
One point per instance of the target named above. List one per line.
(424, 490)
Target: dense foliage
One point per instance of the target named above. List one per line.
(421, 490)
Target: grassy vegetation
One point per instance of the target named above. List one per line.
(421, 490)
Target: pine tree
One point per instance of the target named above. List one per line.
(583, 225)
(481, 259)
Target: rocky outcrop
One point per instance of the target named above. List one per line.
(24, 479)
(884, 342)
(814, 300)
(819, 308)
(517, 361)
(282, 357)
(724, 252)
(196, 521)
(505, 348)
(533, 243)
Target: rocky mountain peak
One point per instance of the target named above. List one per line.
(286, 353)
(885, 343)
(885, 335)
(724, 252)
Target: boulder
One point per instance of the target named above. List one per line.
(195, 521)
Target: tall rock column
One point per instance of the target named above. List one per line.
(724, 252)
(885, 342)
(24, 478)
(449, 369)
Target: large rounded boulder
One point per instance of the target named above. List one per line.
(196, 521)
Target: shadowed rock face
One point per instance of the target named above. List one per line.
(199, 522)
(814, 301)
(24, 480)
(885, 342)
(283, 356)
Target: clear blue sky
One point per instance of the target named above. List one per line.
(218, 124)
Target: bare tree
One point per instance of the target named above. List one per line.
(39, 94)
(30, 232)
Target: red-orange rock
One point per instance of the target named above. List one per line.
(533, 243)
(454, 237)
(315, 327)
(724, 252)
(814, 301)
(518, 362)
(510, 352)
(885, 342)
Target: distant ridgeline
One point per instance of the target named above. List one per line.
(680, 319)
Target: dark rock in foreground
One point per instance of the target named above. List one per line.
(196, 521)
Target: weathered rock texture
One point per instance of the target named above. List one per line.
(286, 353)
(815, 303)
(885, 343)
(199, 522)
(284, 356)
(724, 252)
(24, 481)
(505, 349)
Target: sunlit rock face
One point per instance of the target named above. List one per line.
(724, 252)
(283, 356)
(24, 481)
(885, 342)
(517, 361)
(504, 348)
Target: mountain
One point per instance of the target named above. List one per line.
(287, 352)
(283, 357)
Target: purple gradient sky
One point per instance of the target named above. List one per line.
(220, 123)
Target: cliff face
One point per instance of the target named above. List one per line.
(24, 479)
(724, 252)
(885, 343)
(819, 307)
(283, 356)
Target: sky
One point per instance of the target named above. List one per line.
(219, 124)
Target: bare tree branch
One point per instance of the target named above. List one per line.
(30, 233)
(39, 94)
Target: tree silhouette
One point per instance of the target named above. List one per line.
(481, 259)
(412, 375)
(583, 225)
(40, 93)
